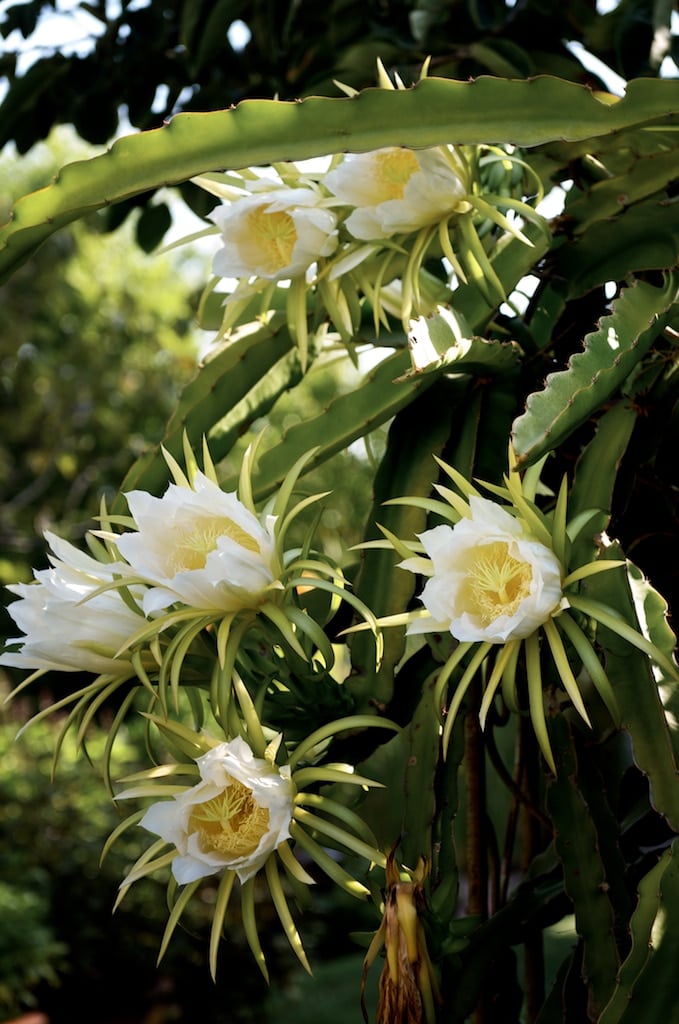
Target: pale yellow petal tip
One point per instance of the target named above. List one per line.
(607, 99)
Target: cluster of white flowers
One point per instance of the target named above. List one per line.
(276, 232)
(196, 547)
(186, 567)
(369, 217)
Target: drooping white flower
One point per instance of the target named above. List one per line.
(275, 234)
(201, 546)
(490, 580)
(395, 190)
(234, 818)
(66, 629)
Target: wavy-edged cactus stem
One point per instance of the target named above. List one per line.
(646, 988)
(632, 676)
(610, 354)
(526, 112)
(577, 846)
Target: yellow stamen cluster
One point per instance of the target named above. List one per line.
(272, 238)
(497, 582)
(394, 170)
(192, 548)
(231, 823)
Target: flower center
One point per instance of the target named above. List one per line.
(231, 823)
(271, 239)
(497, 583)
(394, 170)
(195, 544)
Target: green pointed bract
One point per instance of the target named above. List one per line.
(248, 912)
(175, 915)
(507, 654)
(328, 864)
(475, 662)
(284, 913)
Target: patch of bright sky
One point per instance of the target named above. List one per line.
(71, 29)
(68, 28)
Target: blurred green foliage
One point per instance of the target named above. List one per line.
(29, 952)
(96, 340)
(61, 947)
(56, 927)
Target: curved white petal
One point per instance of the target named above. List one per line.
(275, 234)
(229, 764)
(395, 190)
(490, 579)
(199, 546)
(67, 625)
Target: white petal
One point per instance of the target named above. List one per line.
(67, 625)
(456, 554)
(167, 820)
(225, 764)
(188, 869)
(199, 546)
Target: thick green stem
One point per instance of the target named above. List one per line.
(532, 842)
(477, 823)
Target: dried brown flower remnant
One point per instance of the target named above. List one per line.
(408, 988)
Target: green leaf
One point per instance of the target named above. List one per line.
(345, 419)
(645, 237)
(613, 195)
(636, 691)
(406, 765)
(417, 433)
(383, 392)
(652, 611)
(489, 940)
(282, 375)
(525, 113)
(153, 222)
(597, 466)
(595, 477)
